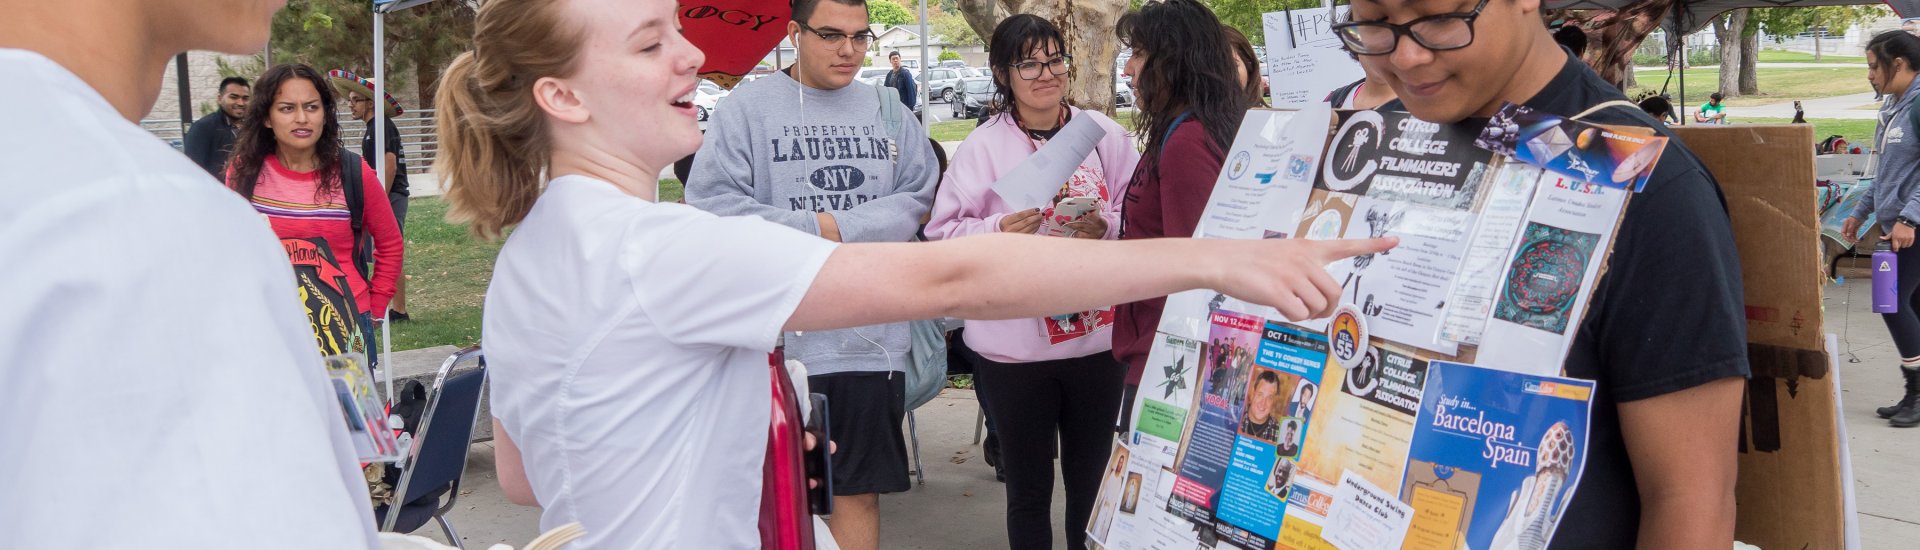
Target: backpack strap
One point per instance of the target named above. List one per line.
(354, 189)
(1604, 106)
(1177, 121)
(890, 109)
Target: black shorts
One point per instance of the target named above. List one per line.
(864, 410)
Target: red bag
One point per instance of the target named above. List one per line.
(785, 522)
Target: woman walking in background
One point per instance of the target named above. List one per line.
(1893, 58)
(1052, 378)
(1191, 103)
(289, 163)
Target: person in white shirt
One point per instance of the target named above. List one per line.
(159, 382)
(628, 338)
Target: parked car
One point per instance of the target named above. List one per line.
(707, 97)
(976, 93)
(944, 82)
(1122, 93)
(874, 75)
(952, 63)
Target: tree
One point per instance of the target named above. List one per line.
(890, 13)
(1782, 23)
(981, 15)
(338, 34)
(954, 28)
(1750, 57)
(1727, 29)
(1088, 27)
(949, 55)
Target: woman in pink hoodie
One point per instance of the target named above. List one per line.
(1053, 376)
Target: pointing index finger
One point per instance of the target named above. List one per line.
(1346, 248)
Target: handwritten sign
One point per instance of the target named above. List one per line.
(1304, 58)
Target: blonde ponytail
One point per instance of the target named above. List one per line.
(494, 146)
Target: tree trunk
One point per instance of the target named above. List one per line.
(1727, 30)
(1816, 46)
(983, 16)
(1750, 62)
(426, 80)
(1088, 27)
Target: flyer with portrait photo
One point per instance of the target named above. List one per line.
(1282, 393)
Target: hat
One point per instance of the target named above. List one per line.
(349, 83)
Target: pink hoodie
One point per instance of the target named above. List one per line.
(967, 205)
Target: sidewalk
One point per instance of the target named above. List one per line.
(960, 506)
(1845, 106)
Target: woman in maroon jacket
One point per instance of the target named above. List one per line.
(1191, 102)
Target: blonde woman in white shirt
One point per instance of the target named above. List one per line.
(628, 338)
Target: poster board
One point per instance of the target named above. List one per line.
(1300, 434)
(1790, 487)
(1305, 60)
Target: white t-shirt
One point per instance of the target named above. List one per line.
(159, 382)
(627, 343)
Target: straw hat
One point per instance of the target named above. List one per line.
(349, 83)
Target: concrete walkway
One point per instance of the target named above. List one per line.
(1716, 66)
(1844, 107)
(961, 506)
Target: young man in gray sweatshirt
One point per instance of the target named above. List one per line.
(810, 147)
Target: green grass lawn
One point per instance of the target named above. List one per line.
(1857, 131)
(447, 275)
(1775, 84)
(1826, 56)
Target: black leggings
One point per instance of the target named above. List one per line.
(1032, 404)
(1904, 325)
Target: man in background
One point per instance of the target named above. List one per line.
(210, 139)
(359, 94)
(814, 149)
(902, 79)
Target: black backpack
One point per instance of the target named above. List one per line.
(352, 185)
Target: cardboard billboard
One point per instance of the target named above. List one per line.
(1790, 489)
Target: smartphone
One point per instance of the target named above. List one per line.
(1067, 211)
(819, 460)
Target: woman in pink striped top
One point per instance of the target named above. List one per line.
(288, 162)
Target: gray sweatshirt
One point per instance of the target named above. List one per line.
(1897, 176)
(782, 152)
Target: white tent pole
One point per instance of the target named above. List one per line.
(379, 129)
(925, 65)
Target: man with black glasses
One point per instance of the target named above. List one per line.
(813, 148)
(1665, 340)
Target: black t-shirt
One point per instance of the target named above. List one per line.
(1668, 315)
(393, 146)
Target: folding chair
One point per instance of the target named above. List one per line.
(445, 435)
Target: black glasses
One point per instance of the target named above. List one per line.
(1447, 31)
(1030, 70)
(835, 40)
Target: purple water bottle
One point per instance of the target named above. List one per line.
(1886, 280)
